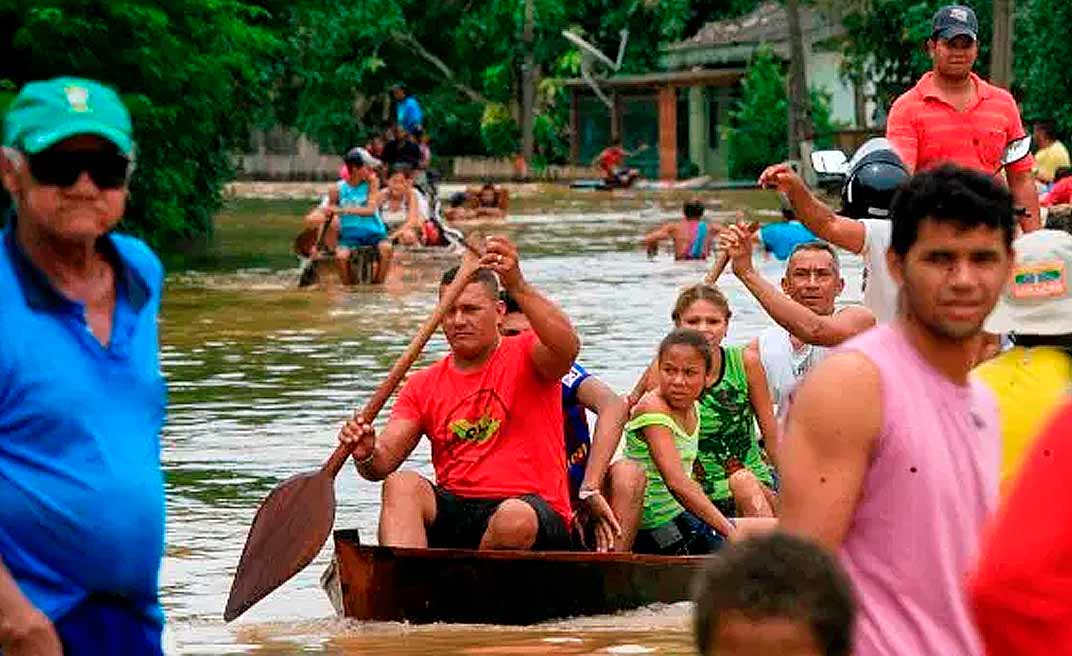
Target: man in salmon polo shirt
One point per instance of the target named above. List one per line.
(891, 450)
(954, 116)
(492, 410)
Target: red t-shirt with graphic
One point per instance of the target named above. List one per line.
(496, 431)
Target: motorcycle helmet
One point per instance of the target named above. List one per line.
(874, 174)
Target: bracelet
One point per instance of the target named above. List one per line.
(369, 459)
(585, 493)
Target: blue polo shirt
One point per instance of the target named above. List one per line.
(81, 489)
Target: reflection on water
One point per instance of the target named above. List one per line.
(261, 374)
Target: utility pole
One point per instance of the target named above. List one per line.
(1001, 45)
(801, 130)
(528, 85)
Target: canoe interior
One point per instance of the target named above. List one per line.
(501, 587)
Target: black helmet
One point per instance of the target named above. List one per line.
(874, 174)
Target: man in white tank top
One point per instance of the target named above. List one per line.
(803, 309)
(891, 450)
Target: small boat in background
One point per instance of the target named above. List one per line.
(497, 587)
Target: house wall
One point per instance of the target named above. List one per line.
(823, 69)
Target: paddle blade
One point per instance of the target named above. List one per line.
(288, 531)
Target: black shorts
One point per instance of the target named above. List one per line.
(460, 522)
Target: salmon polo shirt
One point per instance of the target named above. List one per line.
(926, 131)
(81, 489)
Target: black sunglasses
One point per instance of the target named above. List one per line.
(63, 168)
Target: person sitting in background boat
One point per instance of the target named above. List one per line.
(401, 149)
(776, 594)
(611, 163)
(663, 436)
(608, 497)
(1051, 154)
(353, 218)
(803, 309)
(492, 410)
(730, 465)
(692, 236)
(424, 142)
(400, 209)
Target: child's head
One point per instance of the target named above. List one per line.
(703, 308)
(694, 209)
(684, 364)
(775, 594)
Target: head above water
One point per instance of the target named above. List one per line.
(703, 308)
(693, 209)
(951, 249)
(774, 594)
(813, 277)
(471, 324)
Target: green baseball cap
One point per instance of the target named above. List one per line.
(48, 111)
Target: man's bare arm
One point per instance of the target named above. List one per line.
(760, 397)
(1024, 195)
(829, 438)
(812, 212)
(377, 456)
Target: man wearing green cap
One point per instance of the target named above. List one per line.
(82, 399)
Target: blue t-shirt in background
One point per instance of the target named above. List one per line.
(578, 439)
(408, 114)
(782, 238)
(81, 488)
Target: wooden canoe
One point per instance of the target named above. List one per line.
(498, 587)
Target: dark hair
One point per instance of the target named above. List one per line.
(485, 277)
(953, 195)
(509, 301)
(687, 337)
(400, 167)
(1062, 172)
(777, 576)
(694, 208)
(1046, 125)
(815, 245)
(700, 292)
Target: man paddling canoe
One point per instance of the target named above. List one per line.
(493, 412)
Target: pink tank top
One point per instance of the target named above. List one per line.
(932, 482)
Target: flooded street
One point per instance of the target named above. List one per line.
(261, 374)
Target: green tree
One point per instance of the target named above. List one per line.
(1041, 62)
(757, 137)
(194, 75)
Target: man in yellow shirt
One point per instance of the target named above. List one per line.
(1051, 154)
(1033, 379)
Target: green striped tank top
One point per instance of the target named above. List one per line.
(728, 429)
(660, 506)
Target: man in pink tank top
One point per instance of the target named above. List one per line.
(891, 452)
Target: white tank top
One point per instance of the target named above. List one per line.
(783, 364)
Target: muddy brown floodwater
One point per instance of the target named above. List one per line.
(261, 374)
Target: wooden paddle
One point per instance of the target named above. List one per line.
(294, 521)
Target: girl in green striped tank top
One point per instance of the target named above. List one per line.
(730, 463)
(663, 436)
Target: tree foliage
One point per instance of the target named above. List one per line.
(1043, 52)
(194, 75)
(758, 133)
